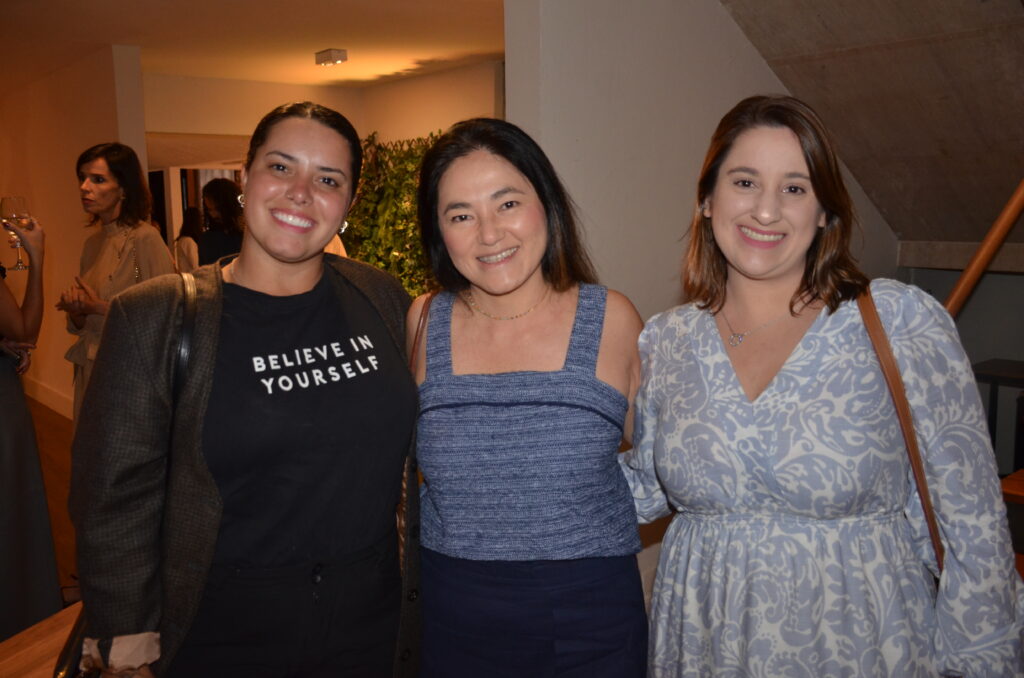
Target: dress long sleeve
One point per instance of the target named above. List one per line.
(980, 604)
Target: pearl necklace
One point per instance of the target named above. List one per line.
(472, 304)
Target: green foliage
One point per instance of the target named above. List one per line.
(383, 227)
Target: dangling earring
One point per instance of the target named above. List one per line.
(344, 225)
(241, 199)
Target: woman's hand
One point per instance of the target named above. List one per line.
(80, 300)
(22, 350)
(71, 303)
(32, 239)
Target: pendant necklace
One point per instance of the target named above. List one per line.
(472, 304)
(119, 251)
(736, 338)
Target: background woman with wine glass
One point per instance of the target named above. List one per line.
(126, 249)
(29, 590)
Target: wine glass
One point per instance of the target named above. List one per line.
(13, 208)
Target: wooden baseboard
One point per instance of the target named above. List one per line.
(62, 403)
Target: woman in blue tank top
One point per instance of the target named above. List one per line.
(527, 369)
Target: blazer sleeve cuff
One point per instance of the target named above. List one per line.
(126, 652)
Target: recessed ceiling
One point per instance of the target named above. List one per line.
(255, 39)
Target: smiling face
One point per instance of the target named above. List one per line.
(297, 192)
(493, 225)
(763, 210)
(100, 192)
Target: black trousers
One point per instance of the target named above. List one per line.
(580, 618)
(338, 620)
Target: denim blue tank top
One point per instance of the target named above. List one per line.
(523, 465)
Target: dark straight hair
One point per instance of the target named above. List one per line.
(565, 260)
(830, 272)
(191, 224)
(223, 193)
(310, 111)
(127, 170)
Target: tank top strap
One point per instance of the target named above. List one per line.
(585, 341)
(439, 335)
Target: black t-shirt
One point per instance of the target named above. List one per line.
(310, 416)
(214, 244)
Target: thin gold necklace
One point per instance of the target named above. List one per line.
(472, 304)
(736, 338)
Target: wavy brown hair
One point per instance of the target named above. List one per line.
(830, 272)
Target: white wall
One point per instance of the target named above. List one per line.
(131, 128)
(414, 107)
(186, 105)
(624, 98)
(401, 109)
(43, 128)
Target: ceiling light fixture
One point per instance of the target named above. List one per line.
(329, 57)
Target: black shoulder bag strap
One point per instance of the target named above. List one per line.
(188, 324)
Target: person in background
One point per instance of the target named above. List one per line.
(186, 249)
(526, 372)
(29, 588)
(798, 545)
(223, 221)
(124, 249)
(247, 527)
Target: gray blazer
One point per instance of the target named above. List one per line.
(145, 507)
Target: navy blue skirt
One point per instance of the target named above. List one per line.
(569, 618)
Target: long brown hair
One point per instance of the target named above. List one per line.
(830, 273)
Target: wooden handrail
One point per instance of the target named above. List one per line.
(986, 251)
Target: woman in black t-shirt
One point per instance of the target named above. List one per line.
(249, 528)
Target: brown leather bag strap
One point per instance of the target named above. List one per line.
(420, 326)
(891, 372)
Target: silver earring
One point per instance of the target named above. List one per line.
(241, 199)
(344, 225)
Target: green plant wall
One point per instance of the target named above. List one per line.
(383, 227)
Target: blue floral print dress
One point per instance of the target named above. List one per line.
(798, 545)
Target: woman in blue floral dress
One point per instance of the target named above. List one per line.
(798, 545)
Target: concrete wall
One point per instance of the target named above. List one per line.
(624, 98)
(45, 127)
